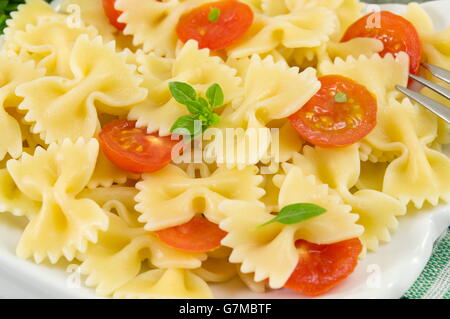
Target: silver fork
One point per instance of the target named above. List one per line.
(437, 108)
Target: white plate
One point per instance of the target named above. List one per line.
(387, 273)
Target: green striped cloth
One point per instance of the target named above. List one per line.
(434, 281)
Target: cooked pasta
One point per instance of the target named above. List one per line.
(91, 157)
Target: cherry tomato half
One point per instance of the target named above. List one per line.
(234, 19)
(325, 122)
(396, 33)
(198, 235)
(322, 267)
(133, 149)
(113, 14)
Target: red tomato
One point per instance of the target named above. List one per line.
(198, 235)
(396, 33)
(113, 14)
(324, 122)
(133, 149)
(234, 20)
(322, 267)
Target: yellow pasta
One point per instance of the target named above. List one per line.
(98, 73)
(87, 112)
(52, 179)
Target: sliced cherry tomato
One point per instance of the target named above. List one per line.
(198, 235)
(322, 267)
(133, 149)
(329, 122)
(234, 19)
(113, 14)
(396, 33)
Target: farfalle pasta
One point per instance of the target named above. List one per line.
(50, 52)
(98, 76)
(340, 169)
(53, 178)
(167, 147)
(170, 197)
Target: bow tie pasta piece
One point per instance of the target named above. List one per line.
(165, 284)
(63, 108)
(340, 169)
(194, 66)
(13, 73)
(420, 174)
(170, 197)
(380, 147)
(53, 50)
(337, 224)
(269, 252)
(271, 92)
(64, 224)
(153, 24)
(27, 14)
(302, 28)
(92, 13)
(116, 259)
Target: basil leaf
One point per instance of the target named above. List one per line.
(198, 106)
(204, 105)
(296, 213)
(182, 92)
(340, 97)
(215, 97)
(187, 125)
(194, 107)
(214, 15)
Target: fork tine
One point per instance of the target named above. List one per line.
(437, 108)
(436, 88)
(438, 72)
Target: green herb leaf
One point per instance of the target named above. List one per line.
(204, 104)
(194, 107)
(182, 92)
(340, 97)
(186, 125)
(215, 97)
(198, 106)
(214, 15)
(296, 213)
